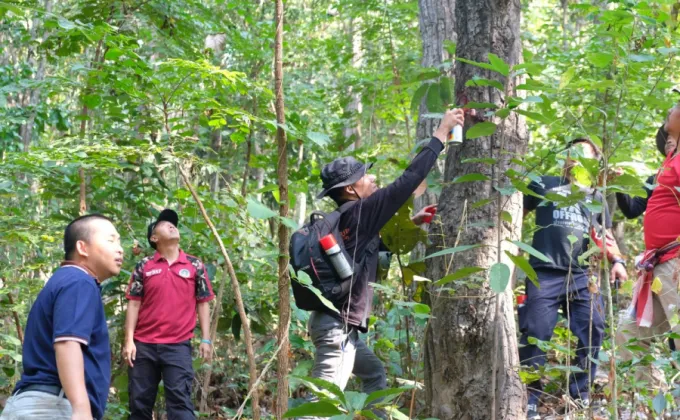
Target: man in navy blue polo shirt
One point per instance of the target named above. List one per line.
(66, 353)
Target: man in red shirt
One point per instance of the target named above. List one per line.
(164, 294)
(655, 298)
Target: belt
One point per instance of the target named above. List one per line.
(48, 389)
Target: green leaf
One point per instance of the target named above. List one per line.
(458, 274)
(400, 234)
(476, 64)
(65, 23)
(313, 409)
(418, 97)
(446, 91)
(479, 81)
(659, 403)
(506, 216)
(481, 129)
(434, 100)
(453, 250)
(487, 161)
(600, 59)
(523, 264)
(503, 113)
(92, 101)
(566, 77)
(366, 413)
(10, 339)
(304, 279)
(450, 47)
(395, 414)
(292, 224)
(535, 116)
(319, 138)
(356, 401)
(641, 58)
(482, 203)
(421, 308)
(259, 211)
(323, 386)
(470, 178)
(667, 51)
(113, 54)
(499, 65)
(499, 277)
(480, 105)
(583, 258)
(532, 251)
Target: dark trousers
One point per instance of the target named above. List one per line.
(172, 362)
(540, 317)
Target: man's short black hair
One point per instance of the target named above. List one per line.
(598, 152)
(661, 137)
(79, 230)
(337, 194)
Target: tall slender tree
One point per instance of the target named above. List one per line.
(282, 175)
(474, 334)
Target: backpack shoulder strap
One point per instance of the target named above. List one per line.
(347, 206)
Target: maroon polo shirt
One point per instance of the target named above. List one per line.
(169, 295)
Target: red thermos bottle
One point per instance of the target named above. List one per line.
(340, 263)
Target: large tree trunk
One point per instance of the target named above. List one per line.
(471, 345)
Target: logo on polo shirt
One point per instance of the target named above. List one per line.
(153, 272)
(185, 273)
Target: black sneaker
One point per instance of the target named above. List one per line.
(532, 412)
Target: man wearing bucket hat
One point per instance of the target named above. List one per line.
(339, 351)
(165, 292)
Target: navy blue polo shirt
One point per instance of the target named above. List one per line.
(69, 308)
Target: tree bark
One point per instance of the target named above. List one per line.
(471, 335)
(17, 322)
(205, 392)
(34, 95)
(282, 175)
(83, 192)
(301, 198)
(437, 25)
(245, 323)
(353, 109)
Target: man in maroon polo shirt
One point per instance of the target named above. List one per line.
(164, 294)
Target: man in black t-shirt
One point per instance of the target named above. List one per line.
(563, 235)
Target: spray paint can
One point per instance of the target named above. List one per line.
(330, 246)
(431, 211)
(521, 311)
(456, 135)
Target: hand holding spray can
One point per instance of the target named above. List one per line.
(456, 134)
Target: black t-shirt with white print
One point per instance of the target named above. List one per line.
(554, 225)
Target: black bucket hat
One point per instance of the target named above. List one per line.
(166, 215)
(340, 173)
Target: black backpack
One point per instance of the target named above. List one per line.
(307, 255)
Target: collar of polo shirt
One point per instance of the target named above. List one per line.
(75, 264)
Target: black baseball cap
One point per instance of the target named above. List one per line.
(166, 215)
(340, 173)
